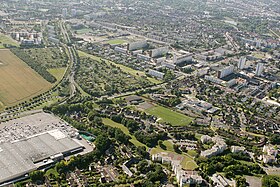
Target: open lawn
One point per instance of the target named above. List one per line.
(123, 68)
(18, 82)
(6, 40)
(116, 42)
(169, 116)
(57, 73)
(111, 123)
(83, 31)
(187, 163)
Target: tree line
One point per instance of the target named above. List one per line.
(34, 65)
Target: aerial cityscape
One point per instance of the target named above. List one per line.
(139, 93)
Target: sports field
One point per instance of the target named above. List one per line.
(18, 82)
(169, 116)
(116, 41)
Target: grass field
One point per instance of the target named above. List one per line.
(169, 116)
(83, 31)
(124, 68)
(18, 82)
(57, 73)
(111, 123)
(6, 40)
(116, 42)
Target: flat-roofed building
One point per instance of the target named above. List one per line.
(19, 157)
(155, 73)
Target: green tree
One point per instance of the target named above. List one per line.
(37, 176)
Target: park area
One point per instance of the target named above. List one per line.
(18, 82)
(125, 69)
(169, 116)
(113, 124)
(99, 77)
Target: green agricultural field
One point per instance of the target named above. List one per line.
(116, 42)
(111, 123)
(124, 68)
(7, 40)
(169, 116)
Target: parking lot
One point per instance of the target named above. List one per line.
(33, 124)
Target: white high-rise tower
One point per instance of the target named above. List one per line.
(259, 69)
(242, 62)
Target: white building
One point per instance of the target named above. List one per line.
(213, 79)
(259, 69)
(183, 177)
(159, 52)
(270, 150)
(270, 154)
(205, 138)
(237, 149)
(269, 159)
(155, 73)
(183, 58)
(137, 45)
(120, 50)
(225, 71)
(64, 12)
(73, 12)
(218, 148)
(242, 62)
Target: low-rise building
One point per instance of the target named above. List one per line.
(155, 73)
(237, 149)
(205, 138)
(218, 148)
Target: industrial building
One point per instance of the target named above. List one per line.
(34, 142)
(20, 157)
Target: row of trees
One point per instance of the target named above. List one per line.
(34, 65)
(149, 139)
